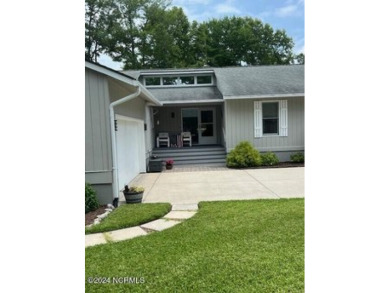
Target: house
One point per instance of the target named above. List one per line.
(224, 106)
(217, 107)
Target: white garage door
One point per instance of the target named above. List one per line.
(130, 142)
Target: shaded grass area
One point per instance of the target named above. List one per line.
(233, 246)
(130, 215)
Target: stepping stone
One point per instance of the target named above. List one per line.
(185, 207)
(179, 215)
(159, 225)
(124, 234)
(94, 239)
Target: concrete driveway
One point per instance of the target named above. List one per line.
(221, 184)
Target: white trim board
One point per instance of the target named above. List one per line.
(278, 96)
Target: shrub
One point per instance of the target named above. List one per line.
(91, 202)
(243, 155)
(298, 158)
(269, 159)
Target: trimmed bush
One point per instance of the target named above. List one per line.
(243, 155)
(298, 158)
(91, 201)
(269, 159)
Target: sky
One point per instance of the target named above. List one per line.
(280, 14)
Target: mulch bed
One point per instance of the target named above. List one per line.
(286, 165)
(279, 165)
(91, 216)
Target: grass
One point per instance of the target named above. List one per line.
(130, 215)
(233, 246)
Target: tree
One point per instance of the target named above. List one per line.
(127, 34)
(300, 58)
(98, 22)
(166, 38)
(149, 34)
(233, 40)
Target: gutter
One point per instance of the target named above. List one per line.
(115, 184)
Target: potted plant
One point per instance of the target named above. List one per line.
(133, 194)
(169, 164)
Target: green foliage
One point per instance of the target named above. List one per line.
(91, 202)
(130, 215)
(228, 246)
(232, 40)
(154, 34)
(269, 159)
(300, 58)
(298, 158)
(243, 155)
(137, 189)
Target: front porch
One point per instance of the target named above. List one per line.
(203, 121)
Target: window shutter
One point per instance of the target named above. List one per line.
(258, 119)
(283, 127)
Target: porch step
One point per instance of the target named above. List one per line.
(193, 155)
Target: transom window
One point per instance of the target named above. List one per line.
(152, 81)
(185, 80)
(205, 79)
(271, 118)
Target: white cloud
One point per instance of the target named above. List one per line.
(290, 9)
(226, 8)
(286, 11)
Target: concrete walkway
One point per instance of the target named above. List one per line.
(191, 187)
(178, 214)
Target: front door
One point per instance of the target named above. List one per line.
(201, 124)
(206, 128)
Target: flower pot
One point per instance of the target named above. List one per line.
(168, 166)
(133, 197)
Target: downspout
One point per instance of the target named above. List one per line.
(115, 185)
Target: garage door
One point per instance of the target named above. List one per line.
(130, 141)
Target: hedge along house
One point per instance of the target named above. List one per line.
(224, 106)
(117, 129)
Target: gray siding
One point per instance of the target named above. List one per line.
(135, 108)
(240, 126)
(97, 124)
(103, 193)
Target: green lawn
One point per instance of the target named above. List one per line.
(130, 215)
(232, 246)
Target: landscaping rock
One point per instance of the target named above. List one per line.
(102, 216)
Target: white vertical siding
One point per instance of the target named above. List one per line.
(240, 125)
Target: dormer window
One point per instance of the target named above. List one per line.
(204, 79)
(182, 80)
(152, 81)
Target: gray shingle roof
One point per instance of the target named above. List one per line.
(186, 94)
(261, 80)
(233, 82)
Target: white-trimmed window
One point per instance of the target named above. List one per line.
(178, 80)
(270, 118)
